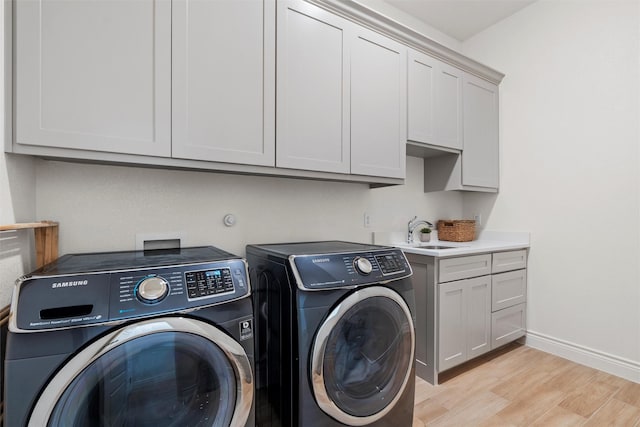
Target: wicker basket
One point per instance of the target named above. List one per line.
(457, 230)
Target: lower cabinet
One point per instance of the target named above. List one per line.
(508, 325)
(465, 309)
(464, 320)
(508, 308)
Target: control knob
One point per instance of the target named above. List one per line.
(363, 265)
(152, 290)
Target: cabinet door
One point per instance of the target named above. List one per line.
(94, 75)
(312, 89)
(478, 316)
(480, 166)
(448, 106)
(452, 324)
(224, 81)
(421, 97)
(378, 105)
(434, 101)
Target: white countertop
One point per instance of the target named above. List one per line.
(488, 241)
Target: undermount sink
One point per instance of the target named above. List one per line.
(437, 247)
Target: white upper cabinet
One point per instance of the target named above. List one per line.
(93, 75)
(434, 102)
(480, 156)
(378, 105)
(476, 167)
(312, 89)
(341, 95)
(224, 81)
(302, 88)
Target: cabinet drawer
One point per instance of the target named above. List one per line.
(508, 325)
(507, 261)
(464, 267)
(508, 289)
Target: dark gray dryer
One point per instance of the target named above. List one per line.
(335, 336)
(160, 338)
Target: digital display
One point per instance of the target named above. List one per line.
(389, 263)
(208, 283)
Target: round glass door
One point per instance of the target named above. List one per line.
(363, 356)
(172, 372)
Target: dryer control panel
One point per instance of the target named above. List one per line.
(340, 270)
(73, 300)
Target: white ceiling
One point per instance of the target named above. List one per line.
(460, 19)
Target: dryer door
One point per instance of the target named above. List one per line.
(169, 371)
(363, 356)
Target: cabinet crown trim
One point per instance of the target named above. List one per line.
(368, 17)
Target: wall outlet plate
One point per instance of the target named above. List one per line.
(367, 220)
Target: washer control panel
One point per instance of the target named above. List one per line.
(178, 288)
(206, 283)
(57, 302)
(327, 271)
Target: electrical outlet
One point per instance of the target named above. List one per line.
(478, 218)
(367, 220)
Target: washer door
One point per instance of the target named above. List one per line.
(163, 372)
(362, 356)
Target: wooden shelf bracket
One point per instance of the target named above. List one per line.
(46, 239)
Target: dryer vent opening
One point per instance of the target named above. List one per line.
(66, 312)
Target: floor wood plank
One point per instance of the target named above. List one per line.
(586, 400)
(615, 413)
(525, 411)
(428, 410)
(519, 386)
(473, 411)
(559, 417)
(629, 393)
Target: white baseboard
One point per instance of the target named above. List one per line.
(624, 368)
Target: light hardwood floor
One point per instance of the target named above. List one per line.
(521, 386)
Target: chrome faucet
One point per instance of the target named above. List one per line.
(412, 225)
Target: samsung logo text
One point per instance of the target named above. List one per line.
(317, 260)
(69, 284)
